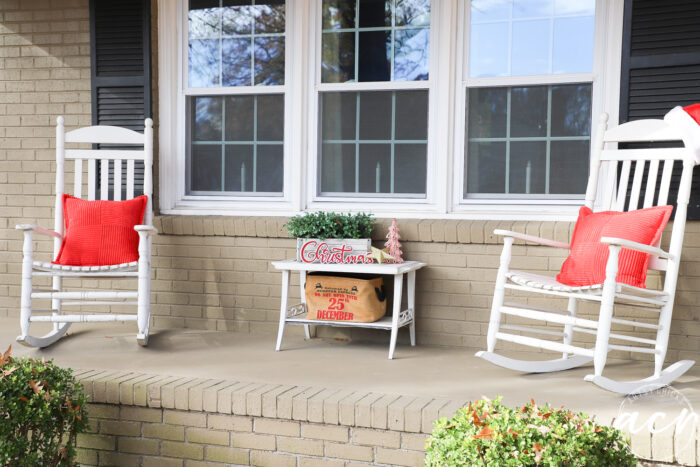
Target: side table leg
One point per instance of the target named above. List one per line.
(283, 308)
(398, 293)
(412, 305)
(302, 294)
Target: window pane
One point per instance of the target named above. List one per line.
(374, 13)
(487, 112)
(374, 62)
(412, 12)
(527, 167)
(375, 40)
(486, 168)
(530, 37)
(236, 42)
(338, 62)
(528, 141)
(528, 110)
(206, 167)
(236, 62)
(568, 173)
(411, 54)
(269, 17)
(204, 63)
(338, 14)
(530, 49)
(410, 166)
(571, 110)
(373, 142)
(488, 50)
(411, 115)
(338, 115)
(572, 52)
(237, 17)
(269, 60)
(338, 167)
(248, 156)
(206, 119)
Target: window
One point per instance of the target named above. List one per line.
(455, 108)
(236, 49)
(373, 98)
(528, 96)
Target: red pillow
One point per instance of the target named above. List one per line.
(588, 256)
(100, 233)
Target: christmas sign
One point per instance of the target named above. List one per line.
(334, 250)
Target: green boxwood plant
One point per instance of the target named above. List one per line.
(324, 225)
(488, 433)
(42, 410)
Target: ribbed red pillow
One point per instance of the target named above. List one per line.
(588, 256)
(100, 233)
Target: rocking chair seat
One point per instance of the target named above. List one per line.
(539, 281)
(51, 267)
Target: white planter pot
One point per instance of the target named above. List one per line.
(332, 250)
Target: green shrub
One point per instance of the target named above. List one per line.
(42, 409)
(488, 433)
(330, 225)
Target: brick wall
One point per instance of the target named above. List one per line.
(214, 273)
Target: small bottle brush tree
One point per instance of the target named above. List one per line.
(392, 243)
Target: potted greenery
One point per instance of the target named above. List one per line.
(331, 237)
(487, 433)
(42, 410)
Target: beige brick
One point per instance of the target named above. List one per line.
(110, 427)
(101, 442)
(253, 441)
(175, 417)
(230, 422)
(161, 462)
(159, 431)
(397, 457)
(387, 439)
(300, 446)
(138, 446)
(118, 459)
(311, 462)
(269, 459)
(277, 427)
(226, 455)
(141, 414)
(87, 457)
(350, 452)
(413, 442)
(206, 436)
(182, 450)
(325, 432)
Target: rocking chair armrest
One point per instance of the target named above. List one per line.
(629, 244)
(146, 229)
(39, 229)
(531, 238)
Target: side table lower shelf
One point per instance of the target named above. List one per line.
(296, 314)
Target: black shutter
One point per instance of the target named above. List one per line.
(661, 67)
(120, 56)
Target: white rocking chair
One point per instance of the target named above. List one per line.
(606, 161)
(141, 269)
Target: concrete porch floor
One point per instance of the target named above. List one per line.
(423, 371)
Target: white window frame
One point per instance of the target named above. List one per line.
(446, 86)
(604, 78)
(377, 204)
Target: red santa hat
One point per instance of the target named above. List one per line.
(687, 121)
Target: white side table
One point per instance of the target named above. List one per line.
(296, 314)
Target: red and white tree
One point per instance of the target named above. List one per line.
(392, 243)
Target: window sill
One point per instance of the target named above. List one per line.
(412, 230)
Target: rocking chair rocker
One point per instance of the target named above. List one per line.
(603, 179)
(140, 270)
